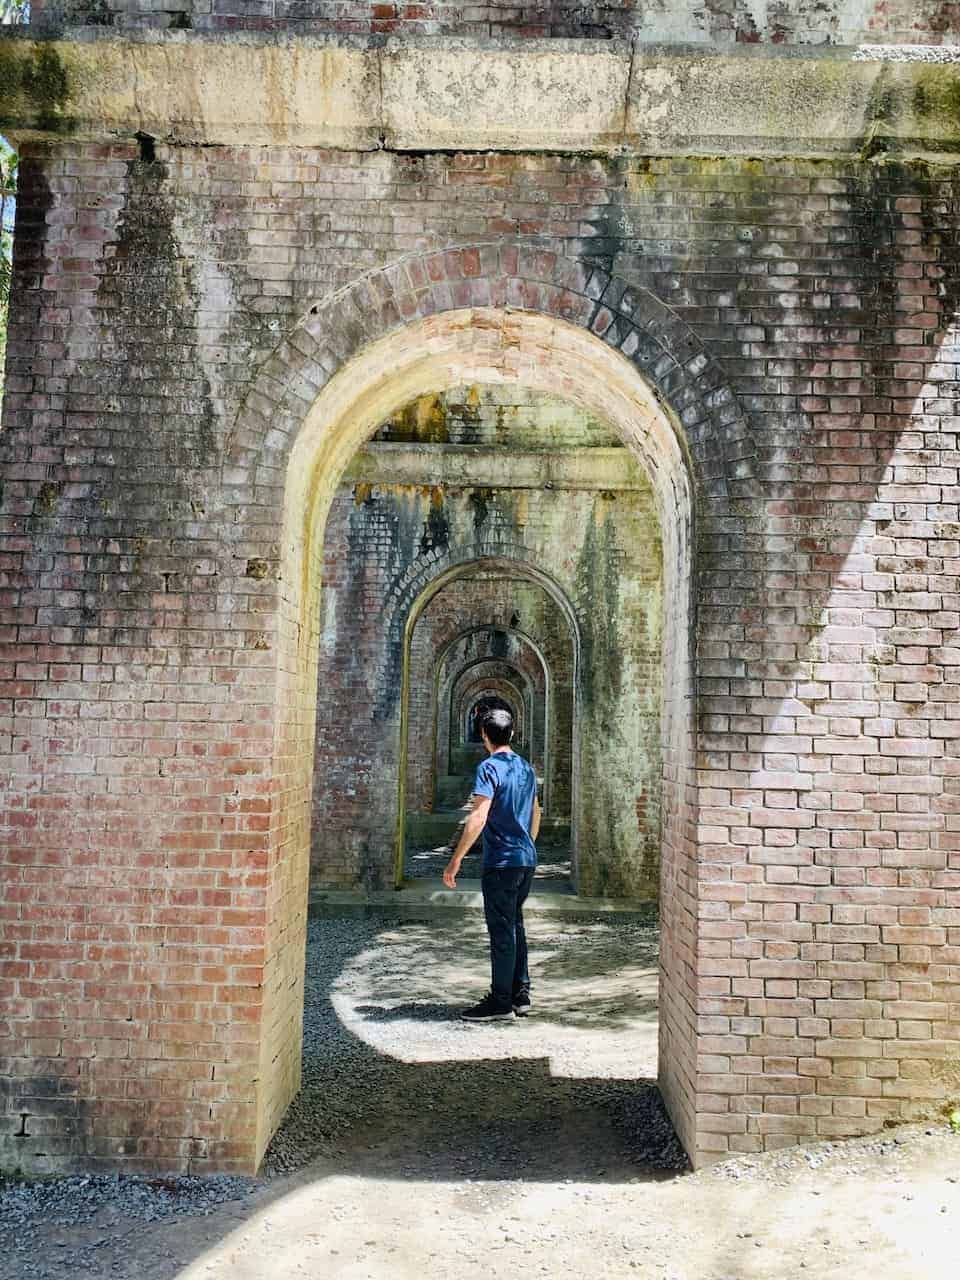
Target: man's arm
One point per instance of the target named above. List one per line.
(474, 824)
(535, 820)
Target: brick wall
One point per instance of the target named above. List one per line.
(719, 22)
(151, 898)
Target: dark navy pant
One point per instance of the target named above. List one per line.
(505, 890)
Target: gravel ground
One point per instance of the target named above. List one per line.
(422, 1148)
(82, 1225)
(385, 1050)
(907, 53)
(392, 1076)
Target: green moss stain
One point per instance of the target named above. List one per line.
(883, 104)
(436, 530)
(598, 592)
(598, 589)
(48, 495)
(37, 76)
(479, 500)
(151, 284)
(936, 93)
(257, 568)
(423, 421)
(46, 84)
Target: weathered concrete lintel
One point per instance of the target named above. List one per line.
(469, 466)
(594, 97)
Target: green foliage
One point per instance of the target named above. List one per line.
(8, 196)
(14, 12)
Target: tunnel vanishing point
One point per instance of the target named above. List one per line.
(368, 361)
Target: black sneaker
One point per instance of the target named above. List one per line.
(486, 1011)
(521, 1003)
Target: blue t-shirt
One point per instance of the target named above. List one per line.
(512, 784)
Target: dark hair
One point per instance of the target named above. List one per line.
(497, 724)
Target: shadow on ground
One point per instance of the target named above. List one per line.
(396, 1088)
(389, 1067)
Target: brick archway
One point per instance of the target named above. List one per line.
(505, 276)
(226, 861)
(501, 687)
(495, 314)
(454, 711)
(451, 673)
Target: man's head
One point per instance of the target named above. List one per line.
(496, 727)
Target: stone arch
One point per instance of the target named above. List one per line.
(323, 393)
(504, 275)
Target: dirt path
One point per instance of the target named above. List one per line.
(426, 1149)
(858, 1214)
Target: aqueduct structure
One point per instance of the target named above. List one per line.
(366, 362)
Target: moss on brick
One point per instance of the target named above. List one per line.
(36, 74)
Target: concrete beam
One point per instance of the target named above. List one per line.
(190, 90)
(453, 95)
(428, 94)
(474, 466)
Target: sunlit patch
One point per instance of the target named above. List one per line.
(595, 997)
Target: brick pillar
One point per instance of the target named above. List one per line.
(138, 817)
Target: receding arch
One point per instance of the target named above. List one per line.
(463, 688)
(487, 691)
(470, 684)
(518, 631)
(510, 569)
(452, 665)
(446, 685)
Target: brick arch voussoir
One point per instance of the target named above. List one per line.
(688, 381)
(523, 275)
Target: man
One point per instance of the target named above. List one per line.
(506, 810)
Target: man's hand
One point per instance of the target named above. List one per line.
(535, 819)
(474, 824)
(450, 873)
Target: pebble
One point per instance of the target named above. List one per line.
(29, 1209)
(906, 53)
